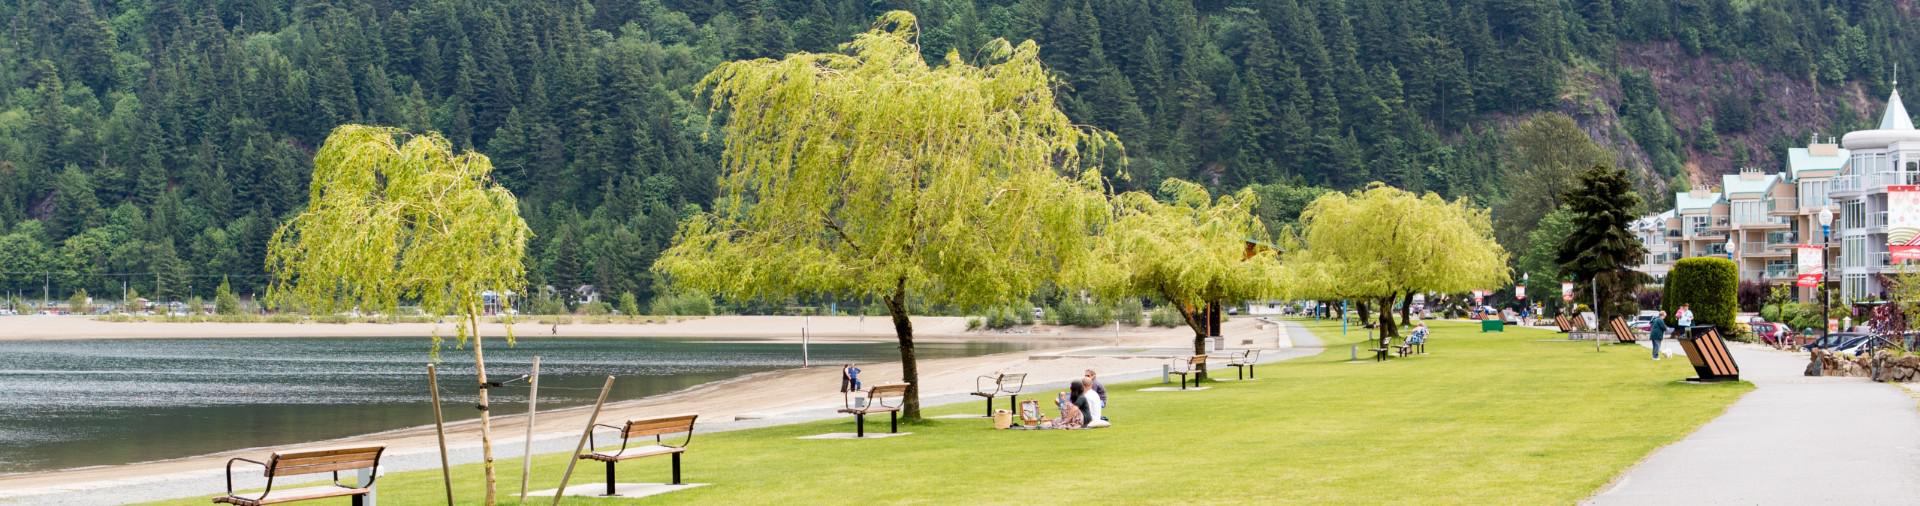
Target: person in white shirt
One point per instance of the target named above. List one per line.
(1684, 319)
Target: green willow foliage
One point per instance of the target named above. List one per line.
(1189, 250)
(870, 174)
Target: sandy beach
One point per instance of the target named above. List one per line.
(785, 396)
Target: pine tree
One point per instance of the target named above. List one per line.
(1601, 249)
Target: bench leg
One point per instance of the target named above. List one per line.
(610, 479)
(859, 425)
(1013, 404)
(1249, 371)
(989, 407)
(893, 419)
(676, 469)
(1239, 373)
(360, 500)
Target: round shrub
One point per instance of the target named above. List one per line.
(1710, 285)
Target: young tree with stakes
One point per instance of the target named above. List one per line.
(873, 175)
(394, 216)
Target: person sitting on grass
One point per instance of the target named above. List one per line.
(1095, 400)
(1071, 416)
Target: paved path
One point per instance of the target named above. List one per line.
(1792, 440)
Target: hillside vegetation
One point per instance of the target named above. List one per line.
(159, 143)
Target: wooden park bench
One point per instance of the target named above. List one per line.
(876, 403)
(1243, 362)
(1190, 366)
(1621, 332)
(1561, 321)
(304, 462)
(1709, 356)
(1380, 353)
(643, 427)
(1009, 385)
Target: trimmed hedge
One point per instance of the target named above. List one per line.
(1710, 285)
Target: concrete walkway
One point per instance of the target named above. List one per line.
(1792, 440)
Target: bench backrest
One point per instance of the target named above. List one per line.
(1009, 383)
(1197, 360)
(886, 391)
(1709, 355)
(1621, 331)
(657, 426)
(1561, 321)
(321, 461)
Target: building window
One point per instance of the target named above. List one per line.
(1813, 194)
(1748, 212)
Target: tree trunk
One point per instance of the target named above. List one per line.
(903, 330)
(1362, 308)
(1387, 329)
(486, 423)
(1406, 309)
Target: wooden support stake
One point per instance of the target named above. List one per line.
(533, 400)
(591, 419)
(440, 428)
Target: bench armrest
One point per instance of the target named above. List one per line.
(263, 467)
(981, 383)
(591, 445)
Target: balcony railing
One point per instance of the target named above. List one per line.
(1673, 232)
(1754, 248)
(1877, 220)
(1786, 205)
(1782, 239)
(1845, 184)
(1781, 272)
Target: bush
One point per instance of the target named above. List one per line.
(1752, 295)
(78, 303)
(1078, 313)
(549, 305)
(595, 308)
(1648, 298)
(683, 304)
(1709, 285)
(1129, 312)
(224, 302)
(973, 324)
(1000, 318)
(628, 305)
(1165, 316)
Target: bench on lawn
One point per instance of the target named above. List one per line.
(1380, 352)
(1621, 332)
(295, 463)
(876, 403)
(1009, 385)
(1190, 366)
(1561, 321)
(1243, 362)
(643, 427)
(1709, 356)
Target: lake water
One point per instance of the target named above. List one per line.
(79, 403)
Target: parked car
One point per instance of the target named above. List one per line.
(1770, 333)
(1863, 346)
(1830, 340)
(1849, 343)
(1642, 325)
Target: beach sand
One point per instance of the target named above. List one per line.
(786, 396)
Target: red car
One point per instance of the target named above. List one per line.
(1773, 333)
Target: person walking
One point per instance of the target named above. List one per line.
(1657, 331)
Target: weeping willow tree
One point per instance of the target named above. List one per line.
(1385, 244)
(873, 175)
(1188, 249)
(395, 216)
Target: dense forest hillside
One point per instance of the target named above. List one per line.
(159, 143)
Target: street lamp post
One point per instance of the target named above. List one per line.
(1826, 241)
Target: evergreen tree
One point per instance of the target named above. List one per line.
(1600, 248)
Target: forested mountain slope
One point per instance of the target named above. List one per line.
(160, 142)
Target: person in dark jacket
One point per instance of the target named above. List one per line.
(1657, 331)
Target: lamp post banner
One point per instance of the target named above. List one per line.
(1811, 270)
(1903, 222)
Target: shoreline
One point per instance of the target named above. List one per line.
(766, 398)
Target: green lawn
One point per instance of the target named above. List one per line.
(1484, 418)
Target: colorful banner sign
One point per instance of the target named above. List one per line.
(1566, 291)
(1479, 298)
(1903, 222)
(1811, 268)
(1520, 292)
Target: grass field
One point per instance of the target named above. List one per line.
(1496, 418)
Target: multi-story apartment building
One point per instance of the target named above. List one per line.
(1661, 253)
(1759, 229)
(1888, 155)
(1699, 224)
(1811, 170)
(1756, 219)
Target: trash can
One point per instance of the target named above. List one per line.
(1493, 325)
